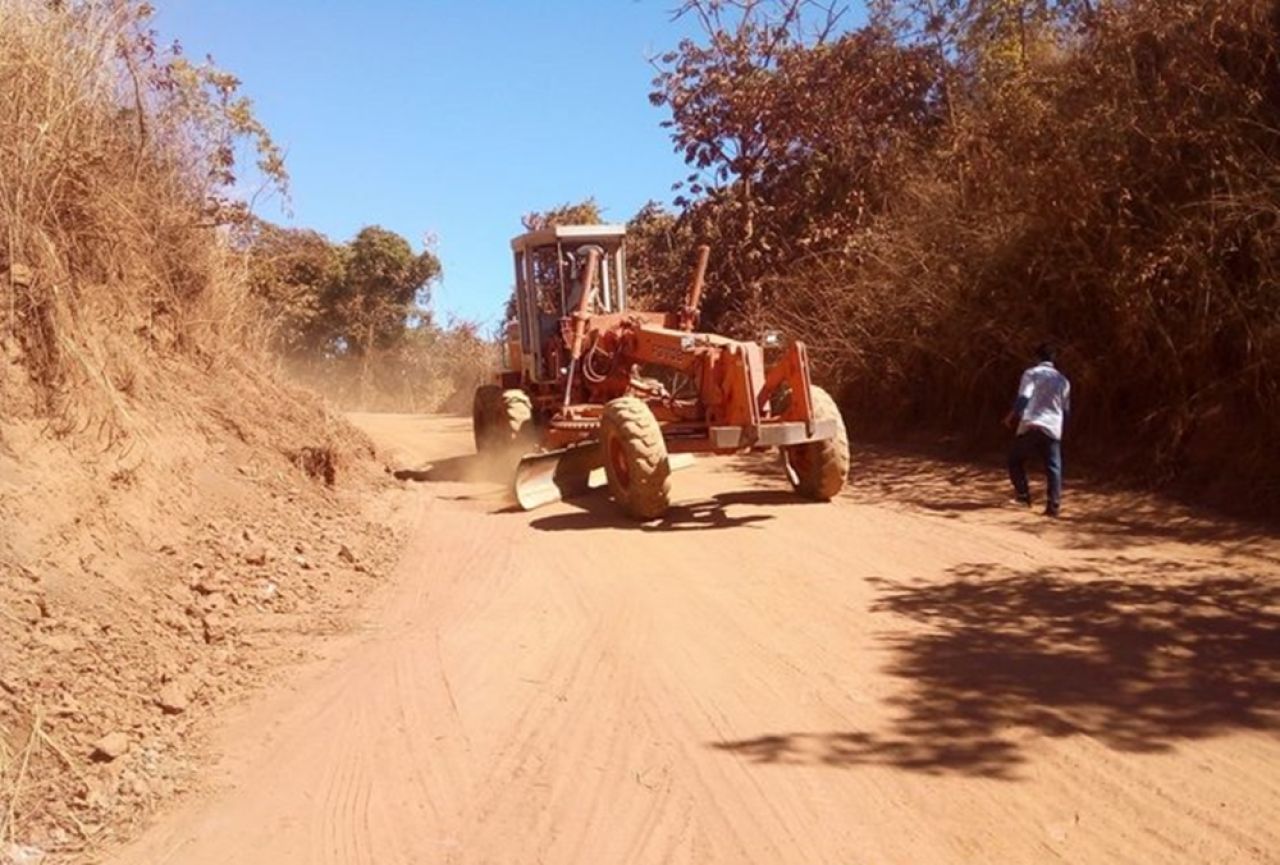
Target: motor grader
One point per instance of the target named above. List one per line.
(589, 383)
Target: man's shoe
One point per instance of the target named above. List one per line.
(1020, 502)
(1051, 511)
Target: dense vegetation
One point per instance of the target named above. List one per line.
(926, 196)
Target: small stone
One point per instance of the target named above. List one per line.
(32, 609)
(214, 627)
(203, 584)
(94, 794)
(344, 553)
(256, 556)
(301, 562)
(173, 699)
(68, 709)
(110, 747)
(172, 620)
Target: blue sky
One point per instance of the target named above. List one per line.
(448, 118)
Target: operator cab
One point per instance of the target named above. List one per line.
(548, 265)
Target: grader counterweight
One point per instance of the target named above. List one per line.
(590, 383)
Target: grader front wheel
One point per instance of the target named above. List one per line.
(818, 470)
(635, 458)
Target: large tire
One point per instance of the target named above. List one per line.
(635, 458)
(516, 421)
(818, 470)
(485, 406)
(502, 420)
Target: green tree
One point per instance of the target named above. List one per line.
(383, 283)
(336, 299)
(797, 133)
(294, 272)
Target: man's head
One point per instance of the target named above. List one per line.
(1046, 352)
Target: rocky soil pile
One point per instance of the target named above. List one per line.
(142, 586)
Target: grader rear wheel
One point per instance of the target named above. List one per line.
(484, 413)
(502, 420)
(818, 470)
(635, 458)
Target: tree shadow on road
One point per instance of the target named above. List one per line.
(1136, 653)
(1097, 514)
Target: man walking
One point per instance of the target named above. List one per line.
(1041, 407)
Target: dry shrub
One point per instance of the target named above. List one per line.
(1122, 197)
(924, 198)
(115, 162)
(127, 328)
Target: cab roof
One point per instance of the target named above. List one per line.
(604, 234)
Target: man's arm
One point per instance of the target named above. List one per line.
(1025, 388)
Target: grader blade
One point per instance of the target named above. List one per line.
(544, 478)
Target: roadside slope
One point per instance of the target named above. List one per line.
(170, 510)
(146, 582)
(760, 680)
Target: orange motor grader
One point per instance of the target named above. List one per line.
(590, 383)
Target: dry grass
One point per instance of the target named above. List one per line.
(114, 164)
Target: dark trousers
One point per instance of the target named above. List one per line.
(1049, 450)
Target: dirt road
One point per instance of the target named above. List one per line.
(907, 676)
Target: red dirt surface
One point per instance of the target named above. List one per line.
(910, 675)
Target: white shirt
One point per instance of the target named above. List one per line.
(1048, 396)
